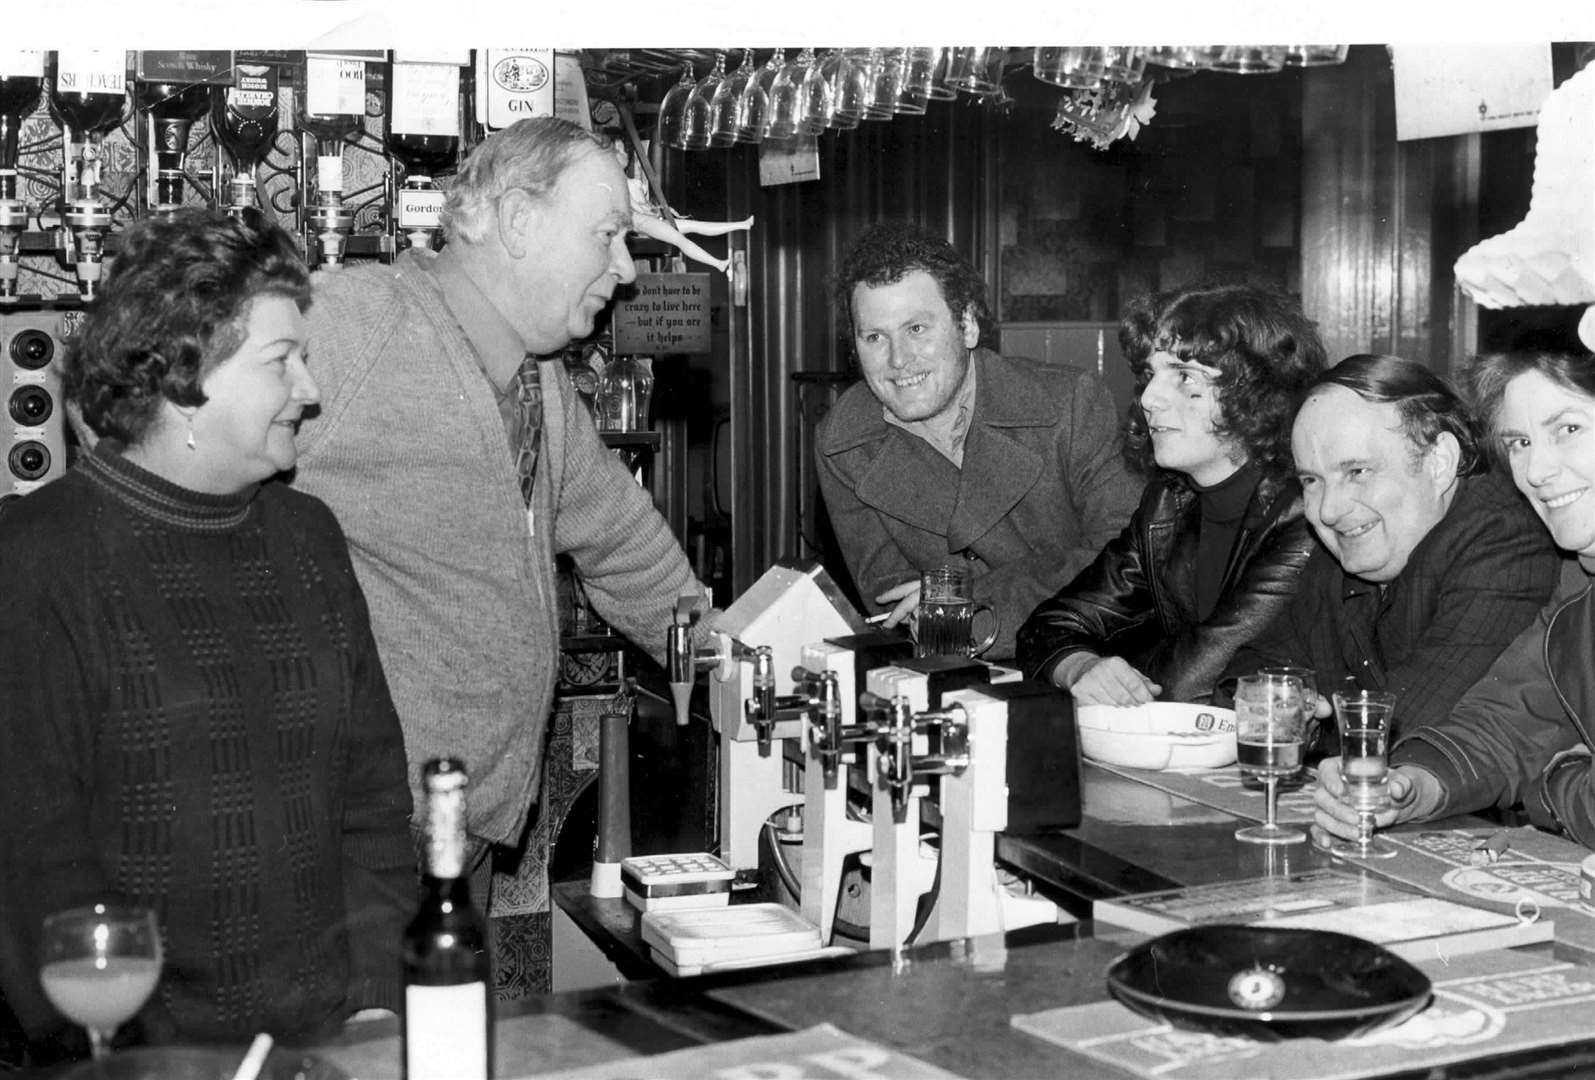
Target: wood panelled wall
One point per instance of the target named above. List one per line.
(1382, 221)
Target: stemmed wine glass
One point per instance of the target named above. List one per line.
(938, 88)
(724, 123)
(815, 97)
(849, 73)
(1363, 717)
(975, 70)
(753, 107)
(1123, 64)
(786, 98)
(100, 965)
(695, 122)
(673, 109)
(1269, 728)
(919, 67)
(1072, 67)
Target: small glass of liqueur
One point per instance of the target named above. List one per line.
(1363, 718)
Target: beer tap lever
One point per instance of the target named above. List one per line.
(683, 661)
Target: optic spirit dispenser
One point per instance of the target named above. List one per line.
(21, 87)
(243, 118)
(329, 112)
(88, 96)
(423, 139)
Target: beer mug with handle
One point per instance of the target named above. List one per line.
(945, 622)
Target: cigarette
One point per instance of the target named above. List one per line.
(882, 617)
(249, 1068)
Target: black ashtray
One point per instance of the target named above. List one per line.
(1268, 984)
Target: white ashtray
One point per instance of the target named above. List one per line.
(1158, 735)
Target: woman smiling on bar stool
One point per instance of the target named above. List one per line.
(1217, 544)
(195, 716)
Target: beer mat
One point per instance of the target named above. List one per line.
(1516, 870)
(1223, 789)
(823, 1050)
(543, 1042)
(1484, 1004)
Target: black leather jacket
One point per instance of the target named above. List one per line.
(1138, 599)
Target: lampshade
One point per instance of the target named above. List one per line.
(1549, 257)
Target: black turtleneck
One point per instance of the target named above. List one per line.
(1223, 509)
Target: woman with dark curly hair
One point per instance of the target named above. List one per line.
(1216, 545)
(196, 719)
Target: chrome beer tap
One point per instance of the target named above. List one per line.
(683, 661)
(897, 766)
(765, 707)
(828, 734)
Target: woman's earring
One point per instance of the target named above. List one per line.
(191, 433)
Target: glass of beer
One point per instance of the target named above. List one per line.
(1270, 724)
(1363, 719)
(944, 624)
(1311, 743)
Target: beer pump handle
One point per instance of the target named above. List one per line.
(681, 659)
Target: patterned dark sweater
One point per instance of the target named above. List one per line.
(193, 716)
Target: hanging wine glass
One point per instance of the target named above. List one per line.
(1315, 55)
(1181, 57)
(815, 98)
(673, 109)
(970, 70)
(1123, 64)
(1071, 67)
(848, 86)
(695, 117)
(786, 101)
(753, 108)
(855, 76)
(1248, 59)
(938, 88)
(724, 123)
(919, 64)
(886, 82)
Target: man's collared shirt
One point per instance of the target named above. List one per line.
(947, 430)
(497, 346)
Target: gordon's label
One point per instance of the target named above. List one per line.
(420, 209)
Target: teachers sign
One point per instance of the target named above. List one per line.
(667, 313)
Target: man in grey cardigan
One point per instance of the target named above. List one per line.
(413, 449)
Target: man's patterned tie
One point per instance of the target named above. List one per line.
(527, 388)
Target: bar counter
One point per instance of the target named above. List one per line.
(947, 1004)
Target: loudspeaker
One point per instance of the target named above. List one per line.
(33, 439)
